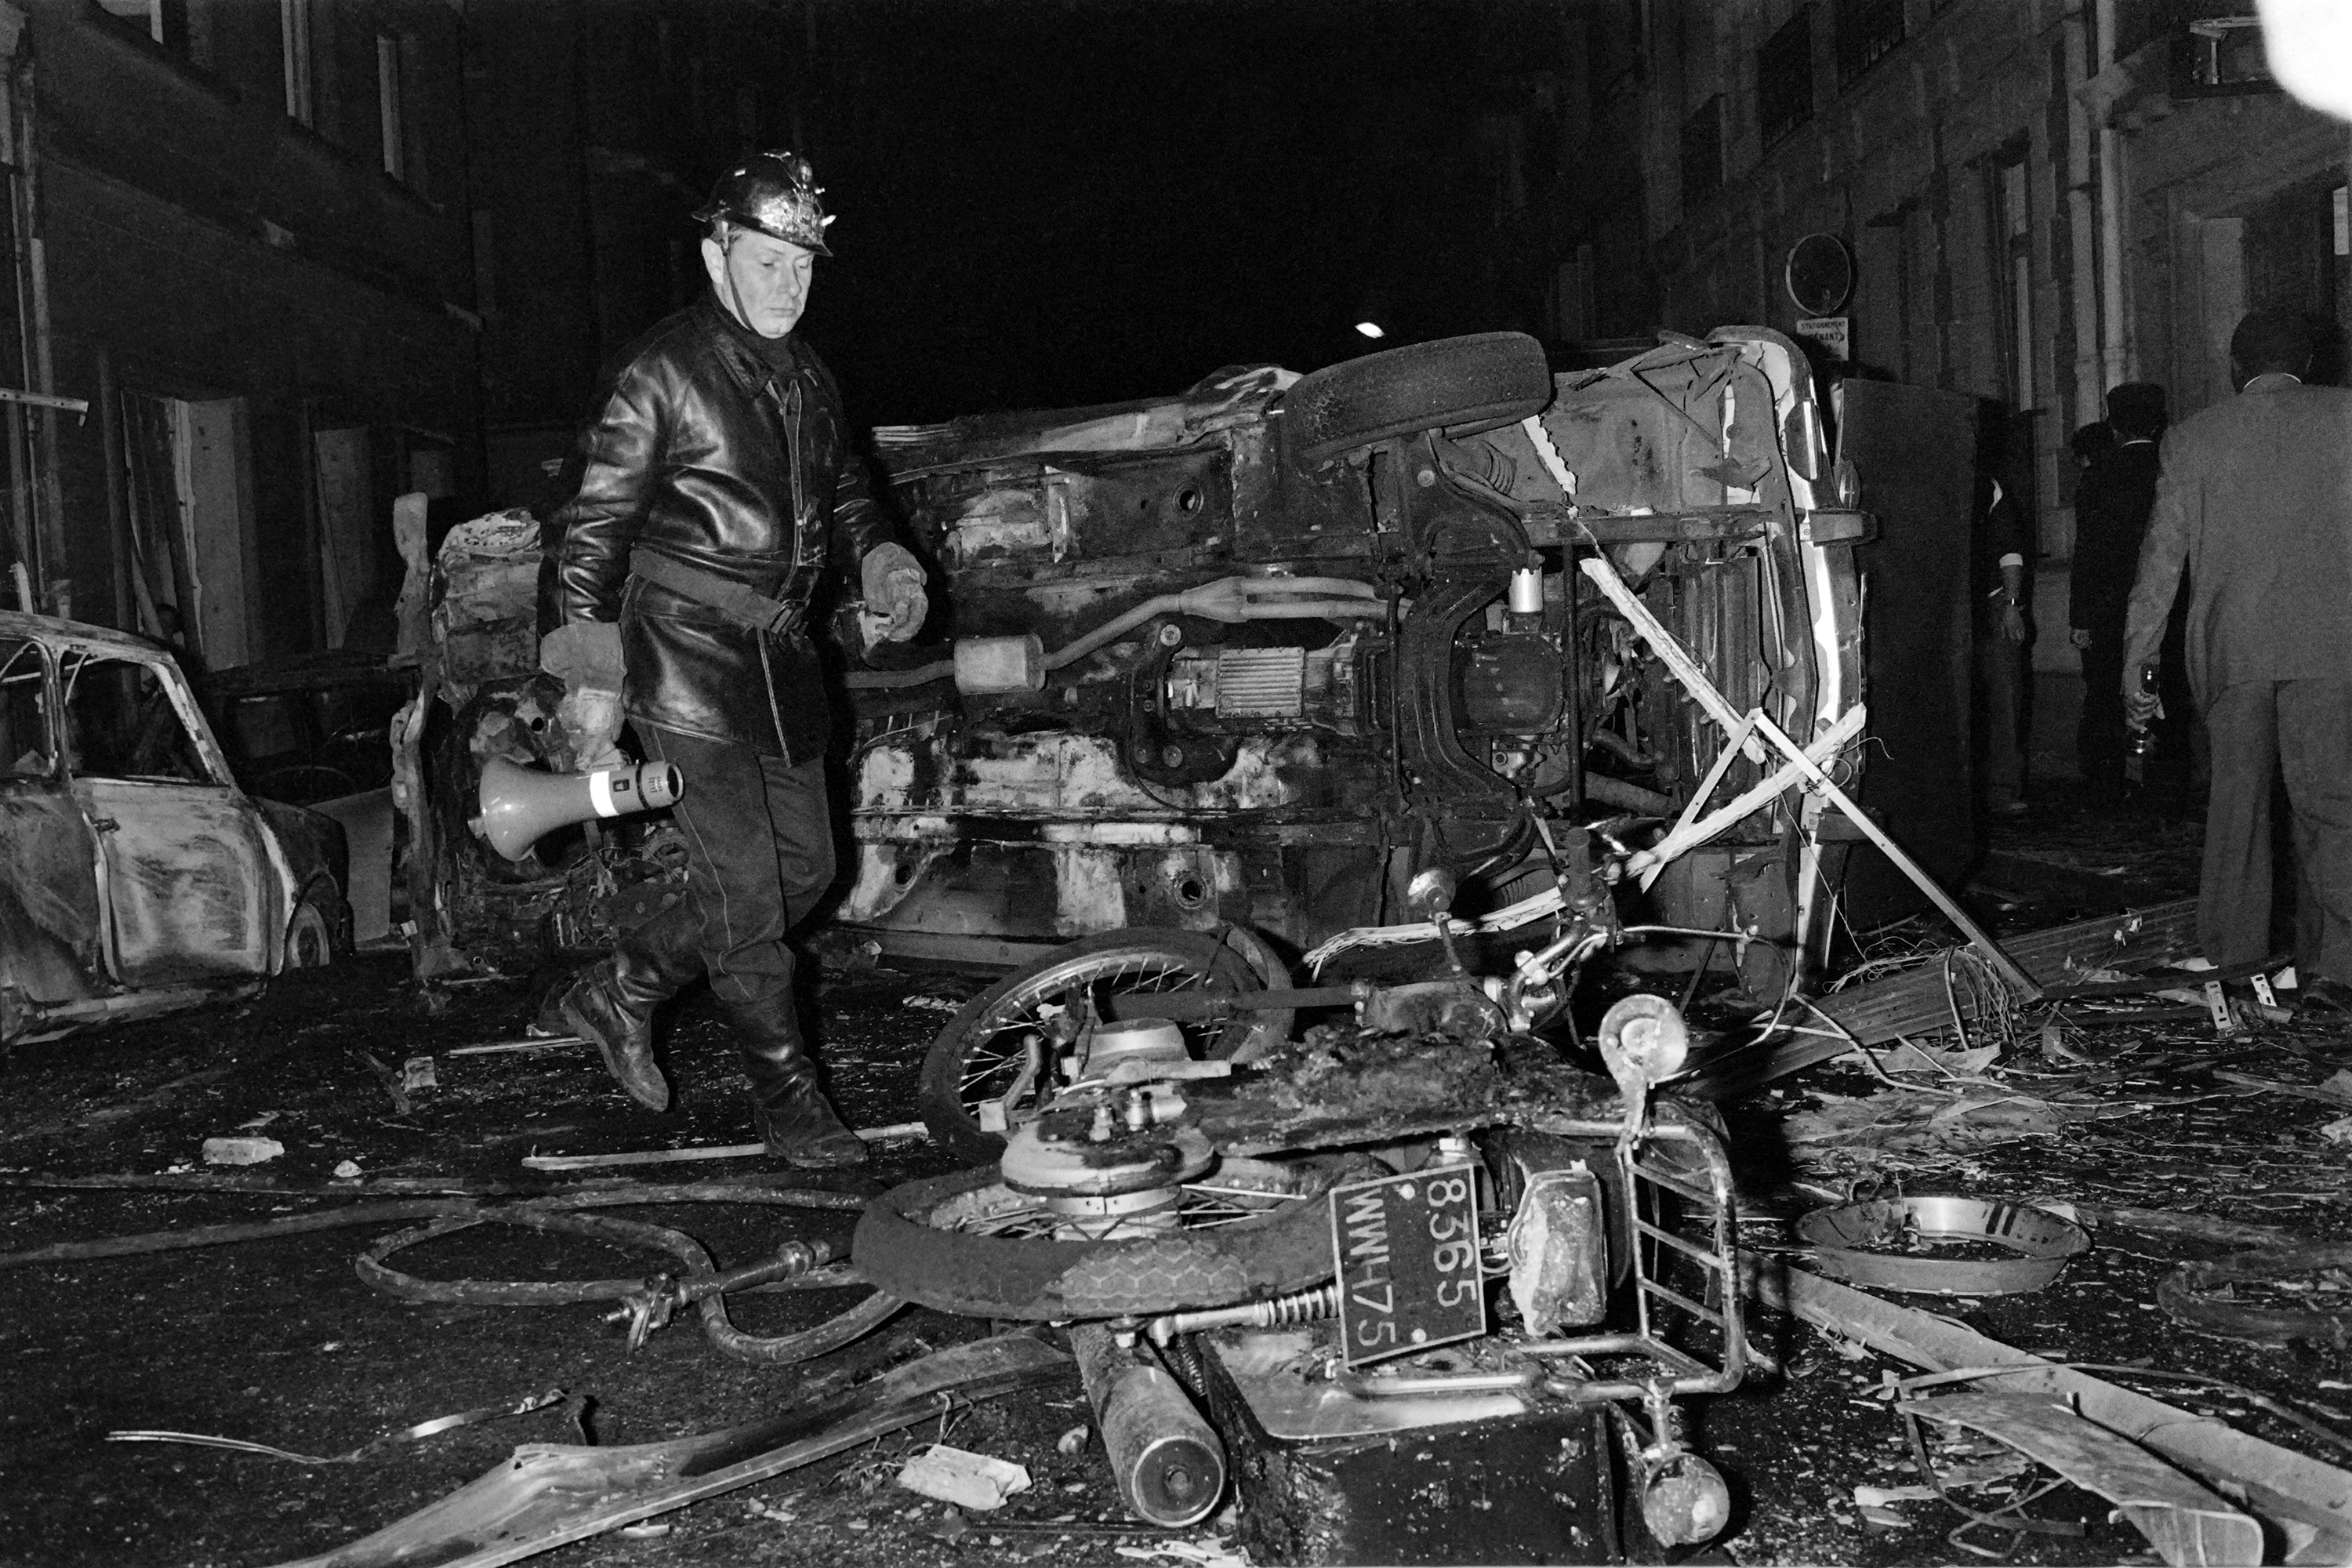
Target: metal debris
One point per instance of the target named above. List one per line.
(2270, 1295)
(1855, 1243)
(2188, 1525)
(373, 1447)
(895, 1131)
(546, 1495)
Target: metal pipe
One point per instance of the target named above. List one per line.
(1168, 1462)
(1189, 1006)
(50, 520)
(42, 400)
(2114, 358)
(1368, 1385)
(2082, 224)
(117, 505)
(1228, 599)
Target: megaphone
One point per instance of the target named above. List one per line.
(519, 806)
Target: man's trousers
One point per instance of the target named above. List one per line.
(759, 840)
(2001, 696)
(2300, 731)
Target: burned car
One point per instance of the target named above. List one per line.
(135, 876)
(1258, 653)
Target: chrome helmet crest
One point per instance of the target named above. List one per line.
(774, 193)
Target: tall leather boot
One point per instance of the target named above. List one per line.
(795, 1120)
(612, 1004)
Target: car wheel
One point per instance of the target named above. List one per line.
(1461, 384)
(980, 1055)
(309, 938)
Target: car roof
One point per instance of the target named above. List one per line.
(49, 629)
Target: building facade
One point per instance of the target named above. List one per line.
(237, 235)
(2039, 199)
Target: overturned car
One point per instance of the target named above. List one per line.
(1259, 654)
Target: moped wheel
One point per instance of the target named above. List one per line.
(967, 1243)
(1463, 384)
(980, 1057)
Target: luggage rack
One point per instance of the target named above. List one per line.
(1658, 1307)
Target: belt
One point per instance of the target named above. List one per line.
(744, 606)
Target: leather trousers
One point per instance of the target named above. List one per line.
(759, 856)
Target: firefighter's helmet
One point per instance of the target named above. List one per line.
(776, 192)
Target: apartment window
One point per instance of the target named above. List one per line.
(1784, 77)
(165, 22)
(2225, 55)
(1703, 151)
(1867, 32)
(294, 29)
(2013, 259)
(388, 105)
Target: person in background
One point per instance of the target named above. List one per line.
(2111, 512)
(2254, 499)
(2002, 547)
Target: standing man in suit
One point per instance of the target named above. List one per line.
(2111, 512)
(2255, 498)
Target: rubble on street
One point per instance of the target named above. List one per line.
(2127, 1203)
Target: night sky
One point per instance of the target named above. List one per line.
(1045, 205)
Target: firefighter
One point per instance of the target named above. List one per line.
(715, 485)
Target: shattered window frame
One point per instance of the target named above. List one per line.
(135, 727)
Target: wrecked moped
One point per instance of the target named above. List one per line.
(1419, 1221)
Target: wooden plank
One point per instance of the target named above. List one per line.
(1689, 832)
(2313, 1501)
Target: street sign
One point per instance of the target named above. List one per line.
(1834, 333)
(1406, 1252)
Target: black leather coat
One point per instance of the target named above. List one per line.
(701, 452)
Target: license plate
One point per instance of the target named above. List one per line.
(1406, 1252)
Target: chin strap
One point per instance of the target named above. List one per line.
(734, 294)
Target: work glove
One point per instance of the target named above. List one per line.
(586, 655)
(893, 581)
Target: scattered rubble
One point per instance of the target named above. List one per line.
(959, 1476)
(241, 1150)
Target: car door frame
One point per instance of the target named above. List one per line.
(145, 869)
